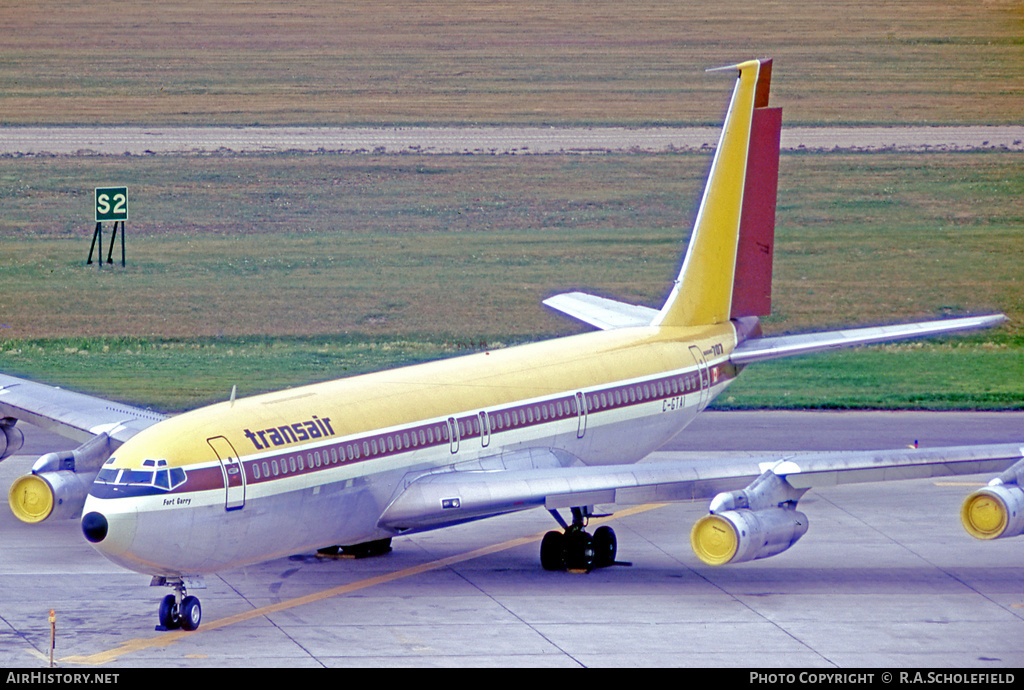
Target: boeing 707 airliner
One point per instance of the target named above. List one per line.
(557, 425)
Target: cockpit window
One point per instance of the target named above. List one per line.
(108, 476)
(155, 474)
(163, 480)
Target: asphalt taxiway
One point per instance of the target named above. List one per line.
(885, 577)
(145, 141)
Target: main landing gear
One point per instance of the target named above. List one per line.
(178, 610)
(574, 548)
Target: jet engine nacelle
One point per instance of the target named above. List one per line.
(59, 482)
(57, 495)
(994, 512)
(11, 438)
(735, 536)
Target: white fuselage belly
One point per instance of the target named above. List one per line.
(194, 533)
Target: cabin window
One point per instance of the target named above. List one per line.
(391, 444)
(266, 469)
(255, 470)
(423, 437)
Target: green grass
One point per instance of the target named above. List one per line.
(174, 375)
(472, 61)
(976, 373)
(394, 259)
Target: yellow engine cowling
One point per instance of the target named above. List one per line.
(49, 495)
(59, 482)
(735, 536)
(994, 512)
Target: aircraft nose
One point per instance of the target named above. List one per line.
(94, 526)
(110, 527)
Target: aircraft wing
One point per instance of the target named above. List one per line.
(73, 415)
(776, 347)
(452, 497)
(601, 312)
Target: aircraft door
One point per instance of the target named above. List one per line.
(485, 429)
(234, 473)
(453, 434)
(705, 376)
(581, 411)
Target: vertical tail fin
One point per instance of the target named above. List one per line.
(728, 265)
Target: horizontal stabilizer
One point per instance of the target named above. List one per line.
(601, 312)
(777, 347)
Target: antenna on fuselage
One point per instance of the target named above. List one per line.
(234, 389)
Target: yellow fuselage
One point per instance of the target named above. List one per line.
(317, 465)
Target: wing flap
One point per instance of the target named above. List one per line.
(75, 416)
(777, 347)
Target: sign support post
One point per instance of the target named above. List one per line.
(111, 204)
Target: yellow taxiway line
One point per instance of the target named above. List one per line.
(169, 638)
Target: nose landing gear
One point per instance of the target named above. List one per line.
(178, 610)
(574, 548)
